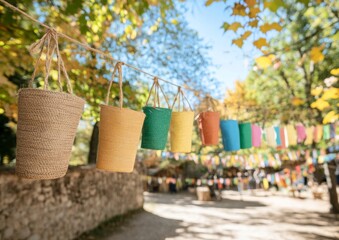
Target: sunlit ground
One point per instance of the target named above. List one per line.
(181, 216)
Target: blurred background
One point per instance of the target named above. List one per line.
(269, 62)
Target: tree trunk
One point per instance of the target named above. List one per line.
(332, 185)
(93, 145)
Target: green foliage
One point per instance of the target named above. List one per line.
(150, 34)
(261, 17)
(296, 61)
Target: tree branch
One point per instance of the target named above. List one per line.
(284, 77)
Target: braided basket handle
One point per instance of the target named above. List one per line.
(117, 67)
(180, 96)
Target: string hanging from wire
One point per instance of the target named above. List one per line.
(86, 46)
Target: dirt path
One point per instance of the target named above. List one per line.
(181, 217)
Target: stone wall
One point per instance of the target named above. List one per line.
(64, 208)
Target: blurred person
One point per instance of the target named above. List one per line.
(240, 184)
(172, 185)
(252, 184)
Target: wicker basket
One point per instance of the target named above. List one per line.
(157, 121)
(47, 123)
(230, 135)
(47, 120)
(119, 134)
(181, 126)
(209, 126)
(245, 131)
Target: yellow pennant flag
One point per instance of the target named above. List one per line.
(318, 133)
(309, 135)
(291, 135)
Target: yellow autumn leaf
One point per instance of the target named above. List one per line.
(273, 5)
(263, 62)
(272, 57)
(316, 54)
(270, 26)
(54, 74)
(276, 26)
(174, 21)
(296, 101)
(317, 91)
(261, 42)
(335, 72)
(209, 2)
(321, 104)
(253, 12)
(330, 117)
(95, 28)
(153, 2)
(239, 42)
(246, 35)
(234, 26)
(253, 23)
(250, 3)
(128, 29)
(331, 93)
(239, 10)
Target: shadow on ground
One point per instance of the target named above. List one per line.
(182, 217)
(187, 199)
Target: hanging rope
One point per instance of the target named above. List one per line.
(86, 46)
(180, 97)
(157, 88)
(50, 42)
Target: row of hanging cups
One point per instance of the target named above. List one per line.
(48, 120)
(245, 135)
(120, 128)
(236, 136)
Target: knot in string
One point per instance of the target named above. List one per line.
(157, 88)
(49, 41)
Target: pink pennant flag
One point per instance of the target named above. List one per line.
(301, 133)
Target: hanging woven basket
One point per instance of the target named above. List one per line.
(47, 123)
(230, 135)
(157, 121)
(245, 131)
(209, 125)
(119, 133)
(181, 126)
